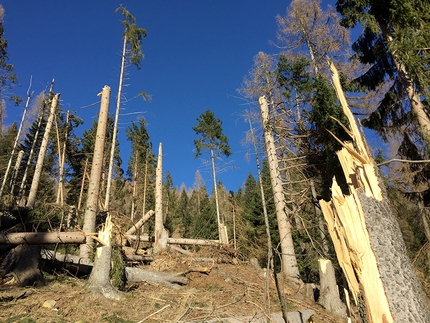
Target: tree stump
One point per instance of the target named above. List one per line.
(20, 266)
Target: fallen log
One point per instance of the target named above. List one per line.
(200, 242)
(141, 222)
(37, 238)
(134, 274)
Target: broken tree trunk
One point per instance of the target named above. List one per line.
(161, 234)
(99, 280)
(367, 238)
(96, 169)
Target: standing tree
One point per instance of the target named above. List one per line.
(212, 139)
(131, 50)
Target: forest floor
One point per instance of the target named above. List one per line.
(214, 291)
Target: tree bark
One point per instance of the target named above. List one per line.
(134, 274)
(139, 224)
(329, 292)
(36, 238)
(42, 152)
(20, 266)
(289, 261)
(161, 234)
(96, 168)
(367, 238)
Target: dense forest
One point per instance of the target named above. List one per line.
(46, 170)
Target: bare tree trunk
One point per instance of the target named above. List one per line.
(141, 222)
(289, 261)
(133, 197)
(329, 292)
(82, 184)
(61, 157)
(42, 152)
(96, 168)
(367, 238)
(160, 233)
(19, 200)
(115, 126)
(15, 170)
(16, 140)
(222, 230)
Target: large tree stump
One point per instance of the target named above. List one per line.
(329, 292)
(20, 266)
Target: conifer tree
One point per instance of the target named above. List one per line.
(213, 140)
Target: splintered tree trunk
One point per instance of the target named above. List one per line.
(160, 233)
(42, 152)
(96, 168)
(99, 280)
(367, 238)
(289, 261)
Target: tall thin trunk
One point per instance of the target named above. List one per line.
(160, 234)
(270, 263)
(133, 197)
(221, 227)
(16, 140)
(96, 170)
(145, 184)
(115, 126)
(42, 152)
(81, 192)
(288, 256)
(61, 158)
(15, 170)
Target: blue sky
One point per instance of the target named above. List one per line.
(196, 56)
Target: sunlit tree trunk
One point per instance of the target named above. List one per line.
(42, 152)
(160, 233)
(288, 256)
(96, 169)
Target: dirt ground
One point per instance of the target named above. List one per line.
(215, 290)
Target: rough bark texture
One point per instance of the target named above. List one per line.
(99, 280)
(367, 238)
(405, 296)
(20, 266)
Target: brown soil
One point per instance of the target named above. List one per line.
(215, 290)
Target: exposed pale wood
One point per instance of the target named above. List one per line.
(96, 170)
(200, 242)
(367, 238)
(33, 238)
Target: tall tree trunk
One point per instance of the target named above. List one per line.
(133, 197)
(222, 231)
(42, 152)
(16, 141)
(367, 238)
(15, 170)
(61, 157)
(81, 192)
(115, 126)
(96, 169)
(288, 256)
(160, 233)
(19, 200)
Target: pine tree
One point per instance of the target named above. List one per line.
(212, 139)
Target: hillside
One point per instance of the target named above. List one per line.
(215, 291)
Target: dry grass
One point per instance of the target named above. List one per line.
(227, 290)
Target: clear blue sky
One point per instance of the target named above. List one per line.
(196, 55)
